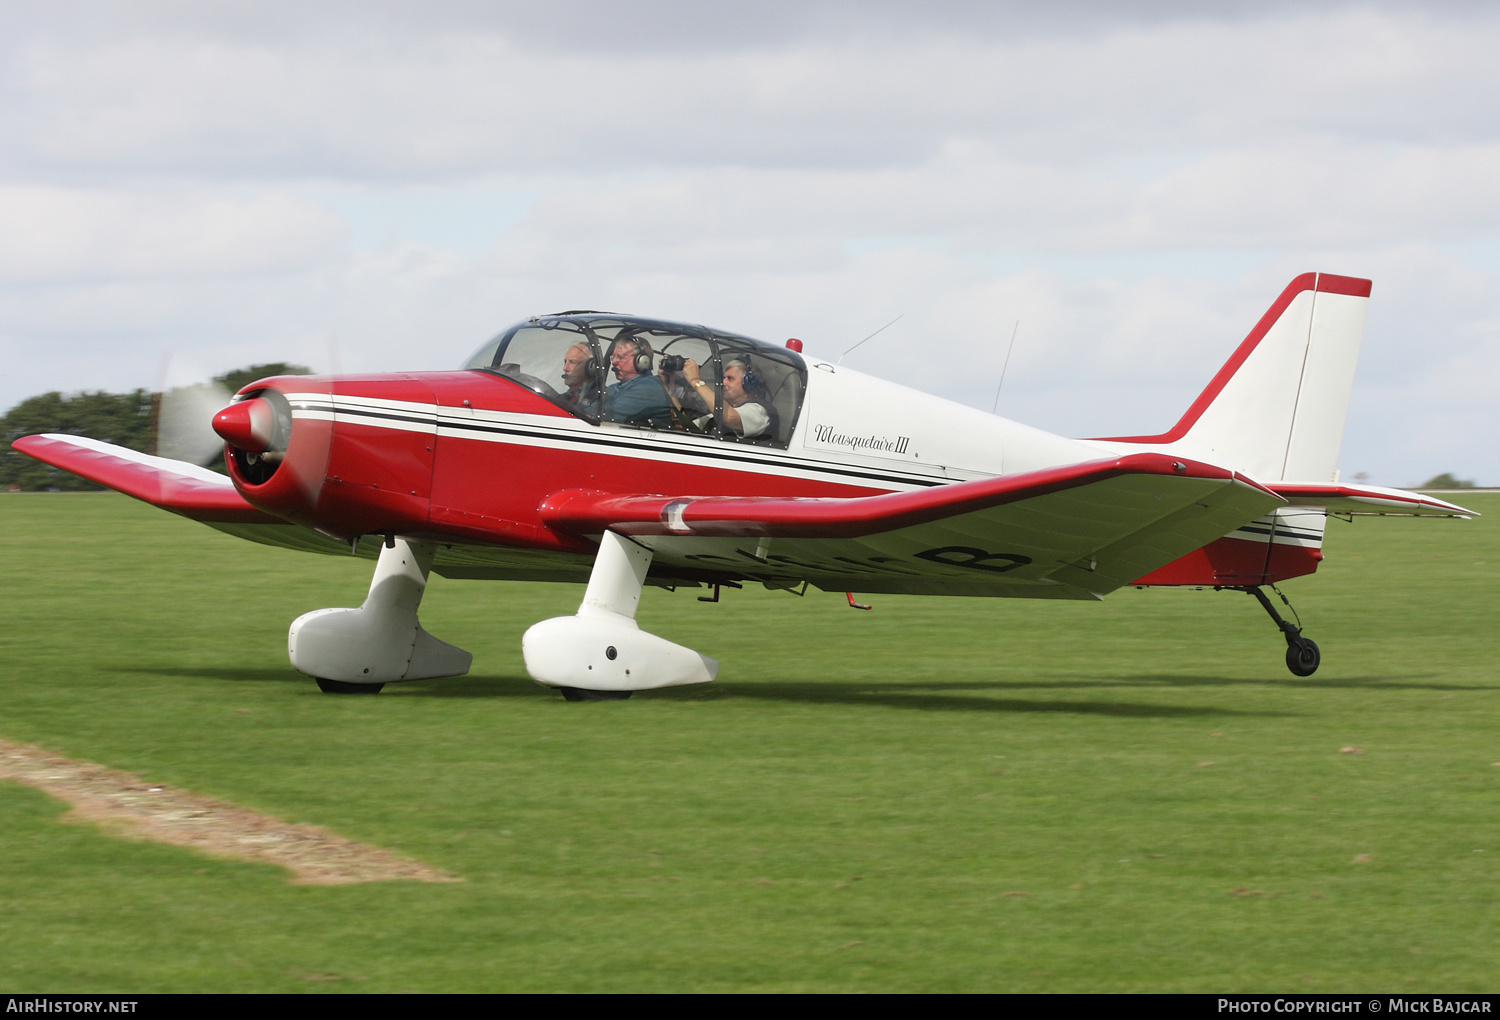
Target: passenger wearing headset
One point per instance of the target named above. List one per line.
(578, 374)
(747, 410)
(638, 396)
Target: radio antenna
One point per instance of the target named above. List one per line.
(1003, 368)
(882, 329)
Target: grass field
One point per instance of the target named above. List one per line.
(941, 794)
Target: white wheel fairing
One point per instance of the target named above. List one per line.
(596, 653)
(382, 640)
(602, 648)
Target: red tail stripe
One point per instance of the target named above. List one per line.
(1323, 282)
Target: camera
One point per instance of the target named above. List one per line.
(671, 363)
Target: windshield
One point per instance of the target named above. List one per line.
(646, 373)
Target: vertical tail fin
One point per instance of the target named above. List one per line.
(1276, 409)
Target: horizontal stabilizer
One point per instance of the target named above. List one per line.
(1366, 499)
(174, 485)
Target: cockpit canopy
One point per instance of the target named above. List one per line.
(652, 374)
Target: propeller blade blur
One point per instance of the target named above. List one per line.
(184, 426)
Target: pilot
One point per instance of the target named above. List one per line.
(747, 410)
(638, 396)
(578, 371)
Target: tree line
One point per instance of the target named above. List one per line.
(124, 419)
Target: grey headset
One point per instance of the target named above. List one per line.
(643, 354)
(592, 370)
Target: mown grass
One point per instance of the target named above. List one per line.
(941, 794)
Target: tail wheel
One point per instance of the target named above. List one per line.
(1302, 658)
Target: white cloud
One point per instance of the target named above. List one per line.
(450, 101)
(1134, 183)
(56, 235)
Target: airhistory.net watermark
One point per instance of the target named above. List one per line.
(52, 1004)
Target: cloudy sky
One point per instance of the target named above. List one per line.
(369, 186)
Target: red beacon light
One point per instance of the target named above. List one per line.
(795, 345)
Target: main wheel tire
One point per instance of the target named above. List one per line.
(343, 687)
(1303, 658)
(579, 694)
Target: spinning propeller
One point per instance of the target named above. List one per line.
(195, 423)
(183, 423)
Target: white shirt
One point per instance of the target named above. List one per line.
(754, 418)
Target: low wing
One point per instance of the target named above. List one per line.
(1366, 500)
(1076, 532)
(1073, 532)
(173, 485)
(187, 489)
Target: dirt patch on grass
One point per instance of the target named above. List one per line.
(129, 806)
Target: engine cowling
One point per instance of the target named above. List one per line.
(321, 451)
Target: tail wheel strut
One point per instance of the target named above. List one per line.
(1302, 655)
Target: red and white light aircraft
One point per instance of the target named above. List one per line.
(622, 451)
